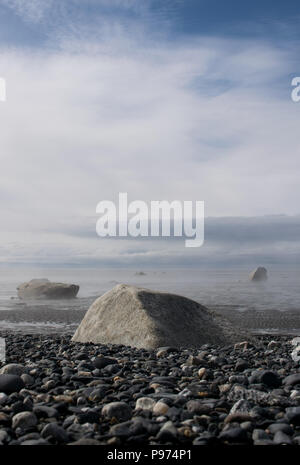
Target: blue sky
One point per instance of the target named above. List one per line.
(163, 99)
(31, 22)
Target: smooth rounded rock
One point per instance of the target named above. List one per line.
(44, 289)
(119, 410)
(292, 380)
(281, 438)
(235, 435)
(102, 362)
(11, 383)
(13, 369)
(160, 408)
(284, 427)
(293, 415)
(267, 377)
(144, 403)
(24, 420)
(56, 432)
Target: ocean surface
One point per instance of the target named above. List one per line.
(223, 290)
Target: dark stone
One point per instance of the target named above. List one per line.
(11, 383)
(293, 415)
(282, 438)
(284, 427)
(55, 432)
(88, 417)
(266, 377)
(197, 407)
(291, 380)
(102, 362)
(119, 410)
(234, 435)
(42, 411)
(241, 365)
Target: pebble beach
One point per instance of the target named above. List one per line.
(55, 392)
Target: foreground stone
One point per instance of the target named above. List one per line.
(149, 400)
(44, 289)
(13, 369)
(10, 383)
(143, 318)
(260, 274)
(296, 352)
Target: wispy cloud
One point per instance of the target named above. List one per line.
(30, 10)
(112, 111)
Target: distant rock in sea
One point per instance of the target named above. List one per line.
(148, 319)
(260, 274)
(44, 289)
(140, 273)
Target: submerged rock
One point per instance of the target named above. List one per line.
(260, 274)
(148, 319)
(44, 289)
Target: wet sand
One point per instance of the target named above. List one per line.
(43, 320)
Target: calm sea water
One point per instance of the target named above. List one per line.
(216, 289)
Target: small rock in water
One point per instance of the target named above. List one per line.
(44, 289)
(259, 275)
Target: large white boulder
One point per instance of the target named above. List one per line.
(147, 319)
(44, 289)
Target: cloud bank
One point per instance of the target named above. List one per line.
(206, 118)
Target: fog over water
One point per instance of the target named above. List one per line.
(219, 289)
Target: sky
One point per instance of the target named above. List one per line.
(162, 99)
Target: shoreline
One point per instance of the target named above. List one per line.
(65, 321)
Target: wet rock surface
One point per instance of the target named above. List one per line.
(55, 391)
